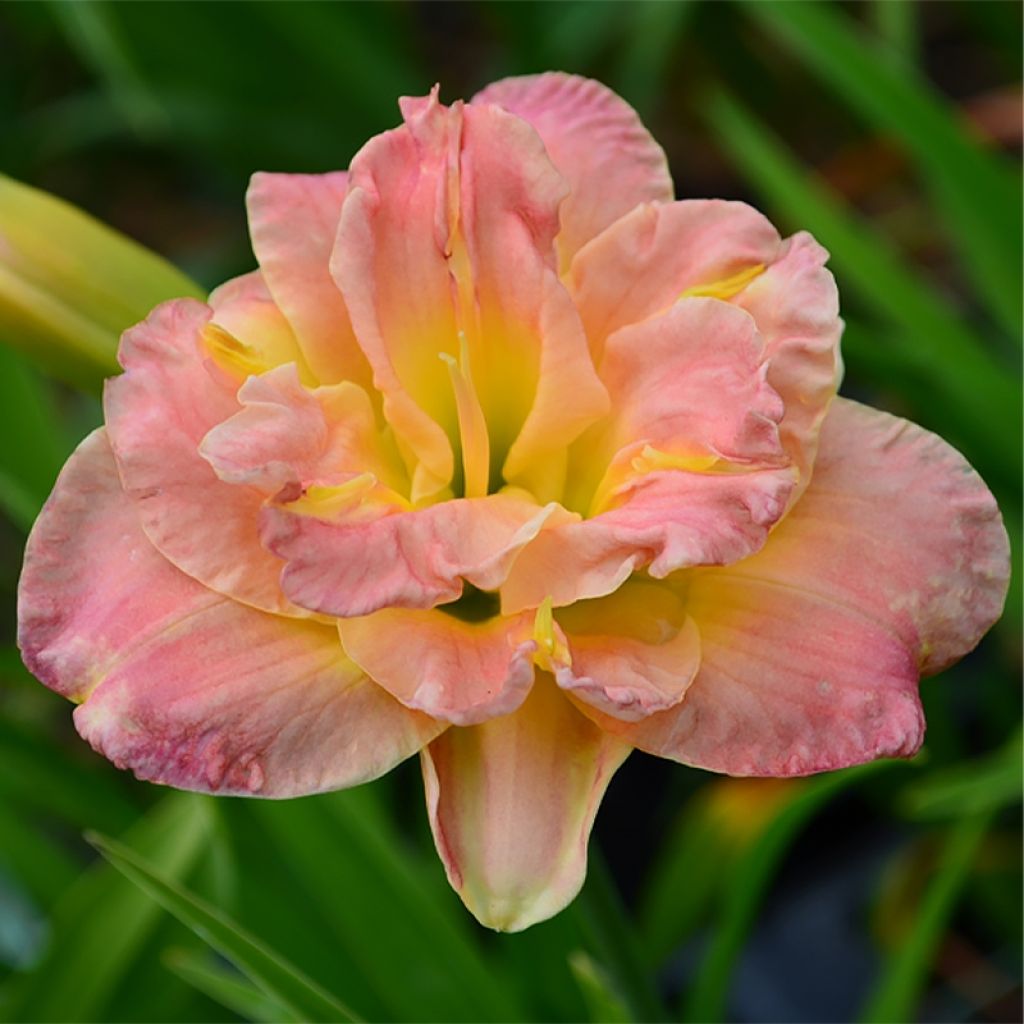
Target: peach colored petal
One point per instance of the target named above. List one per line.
(244, 308)
(668, 520)
(689, 382)
(365, 559)
(632, 653)
(288, 434)
(598, 143)
(795, 304)
(892, 564)
(180, 684)
(446, 249)
(293, 220)
(157, 413)
(643, 263)
(461, 672)
(512, 802)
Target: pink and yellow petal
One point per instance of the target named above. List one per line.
(248, 333)
(647, 260)
(598, 143)
(795, 304)
(893, 563)
(293, 220)
(630, 654)
(690, 383)
(664, 519)
(180, 684)
(457, 671)
(361, 558)
(512, 802)
(445, 255)
(286, 434)
(157, 412)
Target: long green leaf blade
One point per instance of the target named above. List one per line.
(906, 969)
(229, 989)
(978, 194)
(746, 888)
(102, 921)
(282, 982)
(355, 866)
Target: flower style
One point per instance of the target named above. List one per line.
(504, 456)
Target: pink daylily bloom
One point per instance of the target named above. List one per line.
(506, 457)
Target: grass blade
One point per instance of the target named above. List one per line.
(746, 889)
(354, 865)
(906, 969)
(226, 987)
(603, 1002)
(978, 194)
(102, 921)
(283, 983)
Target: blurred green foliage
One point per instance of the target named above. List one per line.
(889, 129)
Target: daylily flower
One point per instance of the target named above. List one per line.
(503, 456)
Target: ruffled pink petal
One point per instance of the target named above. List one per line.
(178, 683)
(512, 802)
(461, 672)
(668, 520)
(367, 559)
(245, 309)
(690, 383)
(157, 413)
(446, 249)
(644, 263)
(288, 434)
(893, 563)
(598, 143)
(795, 304)
(630, 654)
(293, 220)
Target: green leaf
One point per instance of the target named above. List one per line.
(969, 787)
(746, 886)
(43, 776)
(280, 981)
(612, 937)
(957, 364)
(34, 858)
(604, 1004)
(102, 920)
(70, 285)
(356, 867)
(906, 968)
(978, 195)
(227, 987)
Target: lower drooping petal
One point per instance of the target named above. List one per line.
(361, 562)
(157, 413)
(893, 563)
(512, 802)
(180, 684)
(461, 672)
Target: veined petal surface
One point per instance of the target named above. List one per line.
(183, 685)
(512, 802)
(596, 141)
(892, 564)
